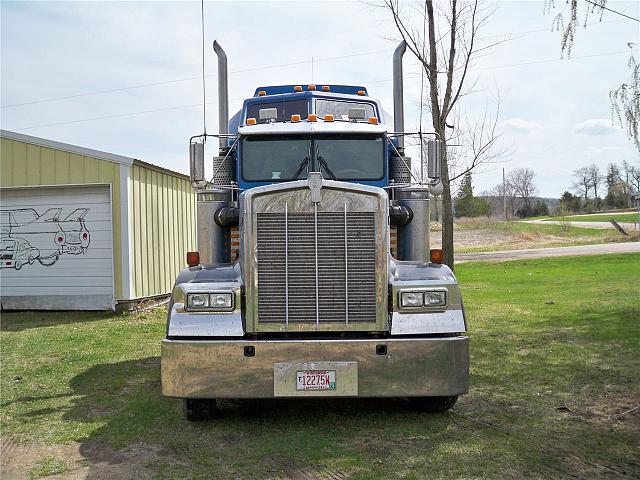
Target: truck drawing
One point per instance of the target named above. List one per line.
(49, 234)
(16, 252)
(313, 275)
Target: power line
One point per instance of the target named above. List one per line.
(185, 79)
(119, 115)
(250, 69)
(611, 10)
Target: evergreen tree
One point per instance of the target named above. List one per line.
(466, 205)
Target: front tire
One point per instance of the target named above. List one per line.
(433, 404)
(196, 409)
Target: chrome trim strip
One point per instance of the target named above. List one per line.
(286, 265)
(346, 269)
(315, 229)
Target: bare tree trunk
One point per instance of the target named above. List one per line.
(447, 214)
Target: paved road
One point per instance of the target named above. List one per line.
(629, 247)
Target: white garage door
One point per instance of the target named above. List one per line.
(57, 248)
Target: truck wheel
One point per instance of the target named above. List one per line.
(433, 404)
(196, 409)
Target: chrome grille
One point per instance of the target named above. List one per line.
(346, 285)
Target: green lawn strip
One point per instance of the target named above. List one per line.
(618, 217)
(555, 354)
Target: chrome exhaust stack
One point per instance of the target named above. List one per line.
(398, 93)
(223, 95)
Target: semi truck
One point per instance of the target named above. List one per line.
(313, 275)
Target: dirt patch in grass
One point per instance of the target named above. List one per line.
(85, 460)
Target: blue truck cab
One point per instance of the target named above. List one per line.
(310, 112)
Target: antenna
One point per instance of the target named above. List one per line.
(204, 90)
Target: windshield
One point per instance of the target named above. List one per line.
(338, 157)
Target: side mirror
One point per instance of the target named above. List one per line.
(434, 151)
(196, 163)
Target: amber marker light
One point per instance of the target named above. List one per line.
(325, 88)
(297, 88)
(361, 92)
(328, 118)
(295, 118)
(437, 255)
(311, 88)
(251, 121)
(193, 259)
(373, 120)
(312, 117)
(262, 93)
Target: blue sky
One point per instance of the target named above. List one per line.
(555, 114)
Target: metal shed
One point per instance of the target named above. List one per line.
(88, 230)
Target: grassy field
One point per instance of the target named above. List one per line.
(555, 378)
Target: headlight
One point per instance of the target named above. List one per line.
(435, 299)
(423, 299)
(214, 302)
(411, 299)
(221, 301)
(198, 300)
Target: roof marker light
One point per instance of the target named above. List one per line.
(361, 92)
(297, 88)
(312, 117)
(373, 120)
(251, 121)
(325, 88)
(262, 93)
(295, 118)
(436, 255)
(311, 88)
(328, 118)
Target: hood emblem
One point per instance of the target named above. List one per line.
(315, 185)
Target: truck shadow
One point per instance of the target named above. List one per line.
(142, 433)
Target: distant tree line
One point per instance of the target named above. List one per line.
(516, 197)
(594, 189)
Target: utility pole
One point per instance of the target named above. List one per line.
(504, 195)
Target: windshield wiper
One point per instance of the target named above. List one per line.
(323, 163)
(304, 163)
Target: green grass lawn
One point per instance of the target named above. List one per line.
(618, 217)
(555, 364)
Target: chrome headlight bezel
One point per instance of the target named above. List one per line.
(423, 294)
(211, 302)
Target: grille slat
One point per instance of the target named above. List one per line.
(332, 293)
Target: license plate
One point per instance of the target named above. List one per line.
(316, 380)
(75, 249)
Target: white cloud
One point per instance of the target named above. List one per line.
(594, 126)
(520, 125)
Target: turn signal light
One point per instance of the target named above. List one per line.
(361, 92)
(251, 121)
(311, 88)
(312, 117)
(262, 93)
(295, 118)
(328, 118)
(373, 120)
(436, 255)
(297, 88)
(193, 259)
(325, 88)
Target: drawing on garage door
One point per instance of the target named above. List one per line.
(57, 248)
(26, 235)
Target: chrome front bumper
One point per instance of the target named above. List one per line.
(410, 367)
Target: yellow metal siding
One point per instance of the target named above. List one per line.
(162, 228)
(25, 164)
